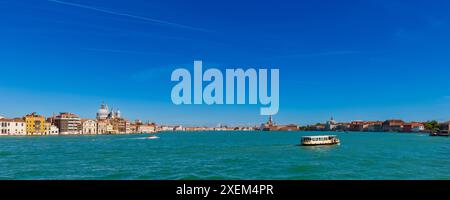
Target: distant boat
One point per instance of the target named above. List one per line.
(440, 133)
(445, 134)
(320, 140)
(152, 137)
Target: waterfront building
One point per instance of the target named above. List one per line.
(51, 129)
(271, 126)
(105, 127)
(12, 126)
(413, 127)
(89, 127)
(330, 125)
(189, 129)
(245, 128)
(342, 127)
(134, 128)
(376, 126)
(289, 127)
(319, 127)
(126, 125)
(112, 114)
(357, 126)
(103, 113)
(393, 125)
(268, 126)
(35, 124)
(198, 128)
(165, 128)
(221, 128)
(102, 126)
(68, 123)
(178, 128)
(110, 129)
(444, 127)
(121, 126)
(51, 119)
(146, 128)
(111, 122)
(316, 127)
(418, 127)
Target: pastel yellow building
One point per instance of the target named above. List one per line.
(35, 124)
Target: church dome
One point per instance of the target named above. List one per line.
(103, 112)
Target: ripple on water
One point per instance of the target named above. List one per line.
(5, 153)
(225, 156)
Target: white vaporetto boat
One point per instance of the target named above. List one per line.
(320, 140)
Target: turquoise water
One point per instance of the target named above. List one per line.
(225, 155)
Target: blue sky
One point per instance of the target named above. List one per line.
(353, 60)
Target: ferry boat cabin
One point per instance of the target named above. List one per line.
(319, 140)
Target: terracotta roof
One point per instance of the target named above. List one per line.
(416, 124)
(375, 122)
(12, 120)
(33, 115)
(67, 115)
(394, 121)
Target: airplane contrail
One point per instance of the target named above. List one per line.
(129, 15)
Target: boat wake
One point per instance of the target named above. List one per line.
(145, 138)
(152, 137)
(139, 138)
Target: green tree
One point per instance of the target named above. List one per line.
(432, 125)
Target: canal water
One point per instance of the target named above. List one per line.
(225, 155)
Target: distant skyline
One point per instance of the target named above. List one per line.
(351, 60)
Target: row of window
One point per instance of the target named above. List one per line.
(5, 131)
(5, 124)
(318, 139)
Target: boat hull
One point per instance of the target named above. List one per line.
(325, 144)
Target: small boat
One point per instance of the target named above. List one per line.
(444, 134)
(320, 140)
(152, 137)
(433, 134)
